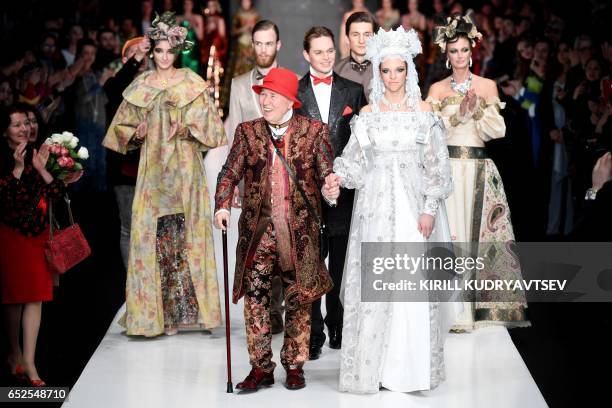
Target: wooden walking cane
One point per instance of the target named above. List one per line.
(228, 345)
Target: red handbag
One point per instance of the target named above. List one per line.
(65, 247)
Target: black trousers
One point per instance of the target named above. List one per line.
(333, 318)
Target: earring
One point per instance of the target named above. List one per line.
(448, 65)
(470, 62)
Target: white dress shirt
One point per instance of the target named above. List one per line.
(322, 95)
(277, 134)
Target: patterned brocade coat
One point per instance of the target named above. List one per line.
(310, 157)
(171, 180)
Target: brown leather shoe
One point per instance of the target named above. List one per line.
(295, 379)
(256, 379)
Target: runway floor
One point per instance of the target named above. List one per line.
(483, 369)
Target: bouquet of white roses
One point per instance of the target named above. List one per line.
(64, 158)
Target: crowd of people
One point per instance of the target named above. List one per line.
(145, 95)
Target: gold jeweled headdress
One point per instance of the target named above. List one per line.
(456, 25)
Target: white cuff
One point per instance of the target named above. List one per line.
(222, 209)
(331, 203)
(431, 206)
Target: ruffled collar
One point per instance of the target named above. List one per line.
(141, 94)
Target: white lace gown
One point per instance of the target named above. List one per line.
(398, 162)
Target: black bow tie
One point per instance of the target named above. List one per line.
(258, 75)
(360, 66)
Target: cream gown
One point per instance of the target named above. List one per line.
(478, 209)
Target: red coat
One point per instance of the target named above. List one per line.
(310, 156)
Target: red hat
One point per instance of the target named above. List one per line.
(283, 82)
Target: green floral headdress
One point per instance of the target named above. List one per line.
(164, 27)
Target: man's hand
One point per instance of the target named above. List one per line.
(141, 49)
(602, 172)
(222, 217)
(556, 136)
(331, 188)
(106, 75)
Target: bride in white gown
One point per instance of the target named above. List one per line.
(397, 160)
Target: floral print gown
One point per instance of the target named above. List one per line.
(171, 185)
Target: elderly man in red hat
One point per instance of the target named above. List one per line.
(278, 228)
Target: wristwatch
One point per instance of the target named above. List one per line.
(591, 194)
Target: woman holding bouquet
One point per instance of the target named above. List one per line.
(166, 112)
(26, 188)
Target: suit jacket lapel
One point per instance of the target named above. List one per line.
(252, 93)
(337, 101)
(309, 101)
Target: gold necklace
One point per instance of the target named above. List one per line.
(164, 82)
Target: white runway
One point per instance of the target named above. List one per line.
(483, 369)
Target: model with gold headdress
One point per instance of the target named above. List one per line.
(478, 209)
(167, 113)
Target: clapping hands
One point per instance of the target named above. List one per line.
(468, 104)
(40, 157)
(331, 188)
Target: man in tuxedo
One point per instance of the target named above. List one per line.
(331, 99)
(359, 27)
(244, 107)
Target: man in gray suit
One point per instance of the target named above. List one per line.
(244, 103)
(244, 107)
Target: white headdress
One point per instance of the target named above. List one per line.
(397, 43)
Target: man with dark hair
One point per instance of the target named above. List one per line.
(243, 101)
(123, 169)
(503, 60)
(331, 99)
(359, 27)
(107, 46)
(244, 106)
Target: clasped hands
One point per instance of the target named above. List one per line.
(331, 187)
